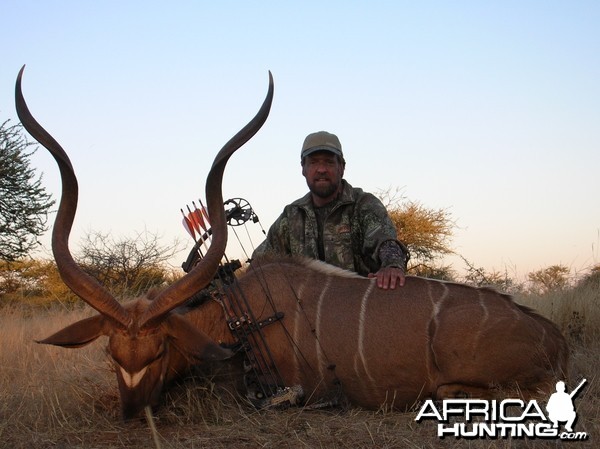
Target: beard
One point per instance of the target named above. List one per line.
(323, 189)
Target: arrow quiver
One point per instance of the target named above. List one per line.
(237, 212)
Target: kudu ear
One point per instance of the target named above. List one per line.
(78, 334)
(193, 342)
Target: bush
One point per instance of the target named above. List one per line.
(33, 281)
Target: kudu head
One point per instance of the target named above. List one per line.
(145, 340)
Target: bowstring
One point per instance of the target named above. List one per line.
(262, 280)
(265, 363)
(230, 291)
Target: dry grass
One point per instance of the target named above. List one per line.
(58, 398)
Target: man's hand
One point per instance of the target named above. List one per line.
(388, 277)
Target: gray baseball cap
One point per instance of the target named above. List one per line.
(321, 141)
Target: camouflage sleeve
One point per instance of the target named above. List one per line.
(392, 253)
(380, 241)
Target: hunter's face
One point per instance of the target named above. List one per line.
(323, 172)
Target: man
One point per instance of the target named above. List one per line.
(337, 223)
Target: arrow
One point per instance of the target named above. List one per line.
(204, 212)
(188, 226)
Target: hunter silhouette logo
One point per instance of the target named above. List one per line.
(560, 406)
(509, 418)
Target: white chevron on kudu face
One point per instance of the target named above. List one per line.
(132, 379)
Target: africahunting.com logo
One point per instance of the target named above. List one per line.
(509, 418)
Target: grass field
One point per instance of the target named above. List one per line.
(58, 398)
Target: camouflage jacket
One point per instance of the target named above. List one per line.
(353, 230)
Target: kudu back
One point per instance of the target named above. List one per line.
(148, 343)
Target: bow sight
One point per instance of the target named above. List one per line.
(237, 212)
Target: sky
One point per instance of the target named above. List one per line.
(488, 110)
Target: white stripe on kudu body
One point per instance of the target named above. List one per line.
(431, 326)
(318, 319)
(479, 331)
(362, 323)
(299, 321)
(436, 300)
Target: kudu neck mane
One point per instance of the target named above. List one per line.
(306, 262)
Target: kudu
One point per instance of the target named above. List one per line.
(340, 333)
(148, 344)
